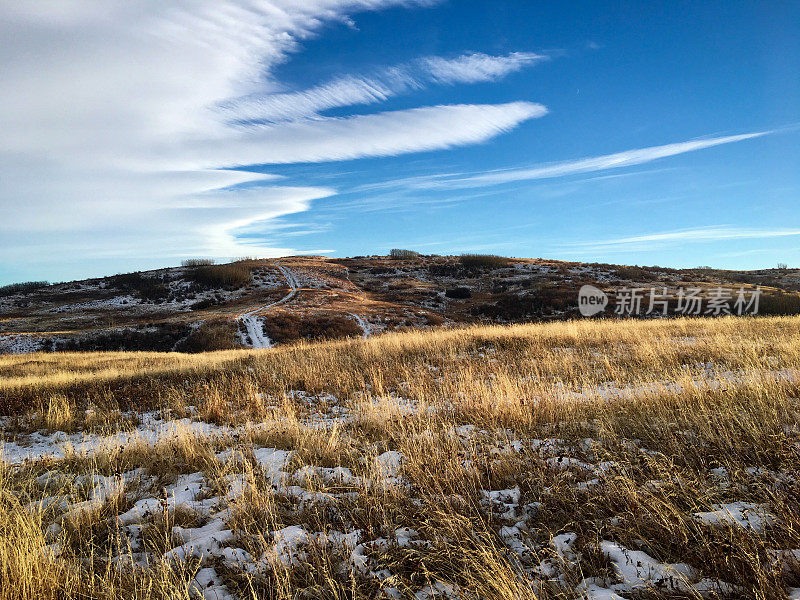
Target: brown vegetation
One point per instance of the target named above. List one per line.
(671, 417)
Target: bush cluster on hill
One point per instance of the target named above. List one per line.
(234, 275)
(399, 253)
(161, 339)
(779, 303)
(634, 273)
(211, 335)
(25, 286)
(490, 261)
(460, 293)
(286, 327)
(147, 288)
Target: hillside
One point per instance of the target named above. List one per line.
(258, 303)
(586, 460)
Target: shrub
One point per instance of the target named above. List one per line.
(285, 327)
(398, 253)
(147, 288)
(215, 276)
(197, 262)
(545, 301)
(211, 335)
(491, 261)
(458, 293)
(160, 338)
(447, 270)
(25, 286)
(208, 302)
(635, 273)
(779, 303)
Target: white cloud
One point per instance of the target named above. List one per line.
(570, 167)
(707, 234)
(381, 134)
(116, 120)
(352, 90)
(344, 91)
(653, 241)
(475, 67)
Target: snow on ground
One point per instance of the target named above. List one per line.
(21, 343)
(151, 430)
(254, 336)
(113, 303)
(711, 379)
(365, 326)
(219, 547)
(742, 514)
(214, 541)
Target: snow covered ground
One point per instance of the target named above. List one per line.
(220, 548)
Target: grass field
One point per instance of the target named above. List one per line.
(591, 459)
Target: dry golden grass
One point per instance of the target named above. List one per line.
(643, 410)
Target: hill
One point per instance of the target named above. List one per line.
(257, 303)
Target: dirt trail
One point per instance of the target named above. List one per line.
(252, 323)
(365, 327)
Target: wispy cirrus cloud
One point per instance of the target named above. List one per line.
(381, 134)
(350, 90)
(653, 241)
(617, 160)
(475, 67)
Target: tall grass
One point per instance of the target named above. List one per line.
(688, 396)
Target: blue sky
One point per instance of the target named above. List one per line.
(640, 133)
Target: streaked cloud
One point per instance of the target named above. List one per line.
(617, 160)
(475, 67)
(653, 241)
(381, 134)
(353, 90)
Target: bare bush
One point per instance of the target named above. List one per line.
(144, 286)
(459, 293)
(491, 261)
(211, 335)
(25, 286)
(779, 303)
(286, 327)
(197, 262)
(635, 273)
(232, 275)
(399, 254)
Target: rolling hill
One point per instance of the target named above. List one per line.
(259, 303)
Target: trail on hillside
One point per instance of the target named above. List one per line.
(360, 291)
(254, 325)
(365, 327)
